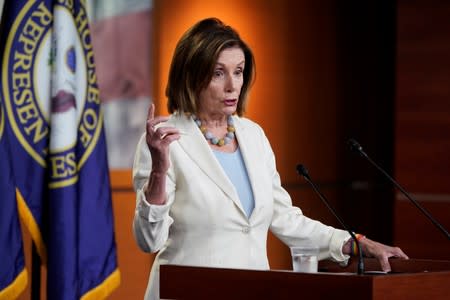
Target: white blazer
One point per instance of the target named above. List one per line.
(203, 222)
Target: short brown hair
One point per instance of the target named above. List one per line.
(194, 60)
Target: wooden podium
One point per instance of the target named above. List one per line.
(410, 279)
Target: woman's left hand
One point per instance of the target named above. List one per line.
(381, 252)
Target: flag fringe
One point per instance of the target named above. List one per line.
(105, 288)
(13, 290)
(27, 218)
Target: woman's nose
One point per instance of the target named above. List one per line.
(230, 84)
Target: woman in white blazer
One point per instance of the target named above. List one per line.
(207, 186)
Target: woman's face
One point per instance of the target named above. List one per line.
(221, 96)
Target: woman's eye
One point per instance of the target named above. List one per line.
(239, 71)
(218, 73)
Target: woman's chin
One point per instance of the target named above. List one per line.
(229, 110)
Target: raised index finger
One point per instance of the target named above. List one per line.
(151, 112)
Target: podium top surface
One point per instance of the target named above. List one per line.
(411, 279)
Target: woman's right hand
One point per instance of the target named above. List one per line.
(158, 140)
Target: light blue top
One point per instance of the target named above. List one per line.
(234, 166)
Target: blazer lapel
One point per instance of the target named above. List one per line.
(194, 144)
(249, 152)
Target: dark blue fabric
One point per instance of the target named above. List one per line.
(12, 261)
(67, 190)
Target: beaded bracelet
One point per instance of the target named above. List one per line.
(354, 250)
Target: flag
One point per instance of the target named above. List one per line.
(13, 275)
(50, 91)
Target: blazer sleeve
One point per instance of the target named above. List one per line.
(151, 222)
(295, 229)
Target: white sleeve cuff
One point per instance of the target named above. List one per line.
(151, 212)
(339, 238)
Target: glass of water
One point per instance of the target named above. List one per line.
(304, 258)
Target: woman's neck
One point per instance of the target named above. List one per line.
(213, 121)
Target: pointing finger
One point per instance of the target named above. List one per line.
(151, 112)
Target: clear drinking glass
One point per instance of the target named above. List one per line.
(305, 258)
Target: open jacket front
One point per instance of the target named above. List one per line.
(203, 222)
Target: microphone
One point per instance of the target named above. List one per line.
(356, 147)
(301, 169)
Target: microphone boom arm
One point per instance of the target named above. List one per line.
(302, 171)
(355, 146)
